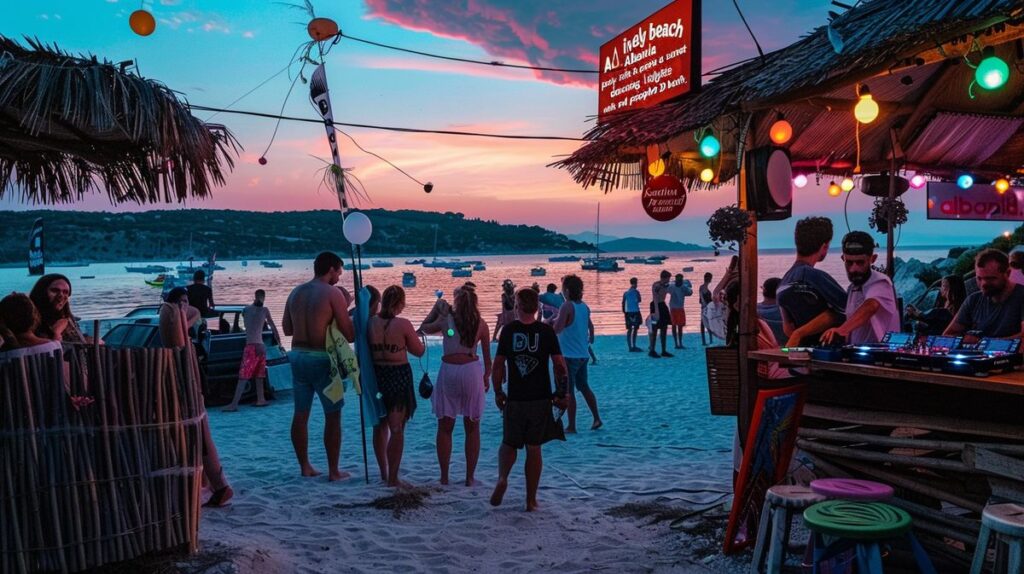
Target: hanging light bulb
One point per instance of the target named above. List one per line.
(834, 190)
(656, 168)
(143, 23)
(846, 184)
(866, 109)
(918, 181)
(800, 180)
(992, 73)
(1002, 185)
(707, 175)
(1007, 234)
(709, 146)
(965, 181)
(781, 131)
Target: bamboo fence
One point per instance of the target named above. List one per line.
(90, 483)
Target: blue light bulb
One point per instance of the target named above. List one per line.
(965, 181)
(709, 146)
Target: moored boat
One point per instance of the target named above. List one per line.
(538, 272)
(564, 259)
(381, 263)
(147, 269)
(462, 272)
(408, 279)
(270, 264)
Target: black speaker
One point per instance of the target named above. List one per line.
(770, 183)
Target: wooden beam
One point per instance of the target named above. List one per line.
(893, 442)
(882, 457)
(991, 462)
(924, 108)
(878, 418)
(912, 484)
(748, 296)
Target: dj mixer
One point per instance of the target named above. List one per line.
(935, 353)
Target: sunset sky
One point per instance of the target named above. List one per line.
(213, 51)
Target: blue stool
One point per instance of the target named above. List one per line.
(780, 503)
(1007, 521)
(839, 525)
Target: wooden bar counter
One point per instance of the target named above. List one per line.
(948, 443)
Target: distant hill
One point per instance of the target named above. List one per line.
(166, 235)
(641, 244)
(591, 237)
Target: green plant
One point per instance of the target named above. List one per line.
(728, 225)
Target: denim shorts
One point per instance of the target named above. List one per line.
(311, 373)
(577, 375)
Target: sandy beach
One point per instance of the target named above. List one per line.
(658, 445)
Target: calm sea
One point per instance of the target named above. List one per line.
(112, 292)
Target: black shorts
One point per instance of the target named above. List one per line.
(530, 423)
(634, 320)
(664, 317)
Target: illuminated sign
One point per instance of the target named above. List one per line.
(651, 62)
(981, 202)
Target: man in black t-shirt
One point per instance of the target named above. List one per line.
(200, 295)
(528, 346)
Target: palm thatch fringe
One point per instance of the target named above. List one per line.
(71, 126)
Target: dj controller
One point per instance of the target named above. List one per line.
(935, 353)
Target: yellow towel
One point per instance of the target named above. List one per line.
(343, 364)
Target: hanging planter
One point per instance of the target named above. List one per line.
(887, 213)
(728, 225)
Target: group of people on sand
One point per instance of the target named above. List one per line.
(529, 345)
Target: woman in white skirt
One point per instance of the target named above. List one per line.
(463, 380)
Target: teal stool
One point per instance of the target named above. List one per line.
(780, 503)
(839, 525)
(1007, 521)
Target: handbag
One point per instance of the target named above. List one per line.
(426, 387)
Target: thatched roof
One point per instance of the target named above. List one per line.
(71, 125)
(909, 52)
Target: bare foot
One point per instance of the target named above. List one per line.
(473, 482)
(309, 471)
(263, 404)
(229, 409)
(337, 475)
(597, 424)
(220, 498)
(570, 430)
(444, 480)
(532, 506)
(499, 492)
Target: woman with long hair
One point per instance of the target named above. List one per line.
(392, 339)
(462, 380)
(52, 297)
(952, 293)
(20, 322)
(508, 306)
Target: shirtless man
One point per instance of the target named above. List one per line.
(254, 357)
(308, 313)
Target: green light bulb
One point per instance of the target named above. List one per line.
(451, 332)
(709, 146)
(992, 73)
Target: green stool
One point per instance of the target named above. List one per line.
(838, 525)
(1007, 522)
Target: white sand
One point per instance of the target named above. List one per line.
(655, 412)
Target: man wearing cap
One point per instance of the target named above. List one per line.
(871, 309)
(810, 299)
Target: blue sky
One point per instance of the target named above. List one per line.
(213, 51)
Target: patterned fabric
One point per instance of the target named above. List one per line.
(254, 362)
(395, 385)
(343, 362)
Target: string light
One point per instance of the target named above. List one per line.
(707, 175)
(965, 181)
(918, 181)
(709, 146)
(866, 110)
(992, 73)
(781, 131)
(656, 168)
(846, 184)
(834, 190)
(142, 22)
(800, 181)
(1002, 185)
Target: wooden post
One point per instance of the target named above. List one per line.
(748, 299)
(890, 246)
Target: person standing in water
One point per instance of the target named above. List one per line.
(575, 332)
(254, 356)
(310, 310)
(631, 311)
(527, 347)
(392, 339)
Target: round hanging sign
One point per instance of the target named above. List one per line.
(664, 197)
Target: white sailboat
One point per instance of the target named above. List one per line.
(598, 263)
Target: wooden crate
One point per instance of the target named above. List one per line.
(723, 380)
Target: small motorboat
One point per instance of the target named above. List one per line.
(87, 277)
(381, 263)
(415, 261)
(538, 272)
(564, 259)
(462, 272)
(687, 269)
(653, 261)
(479, 267)
(270, 264)
(635, 260)
(601, 264)
(146, 269)
(158, 281)
(352, 266)
(408, 279)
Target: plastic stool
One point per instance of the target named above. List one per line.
(852, 489)
(839, 525)
(779, 505)
(1007, 521)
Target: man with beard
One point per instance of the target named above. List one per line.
(871, 309)
(997, 310)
